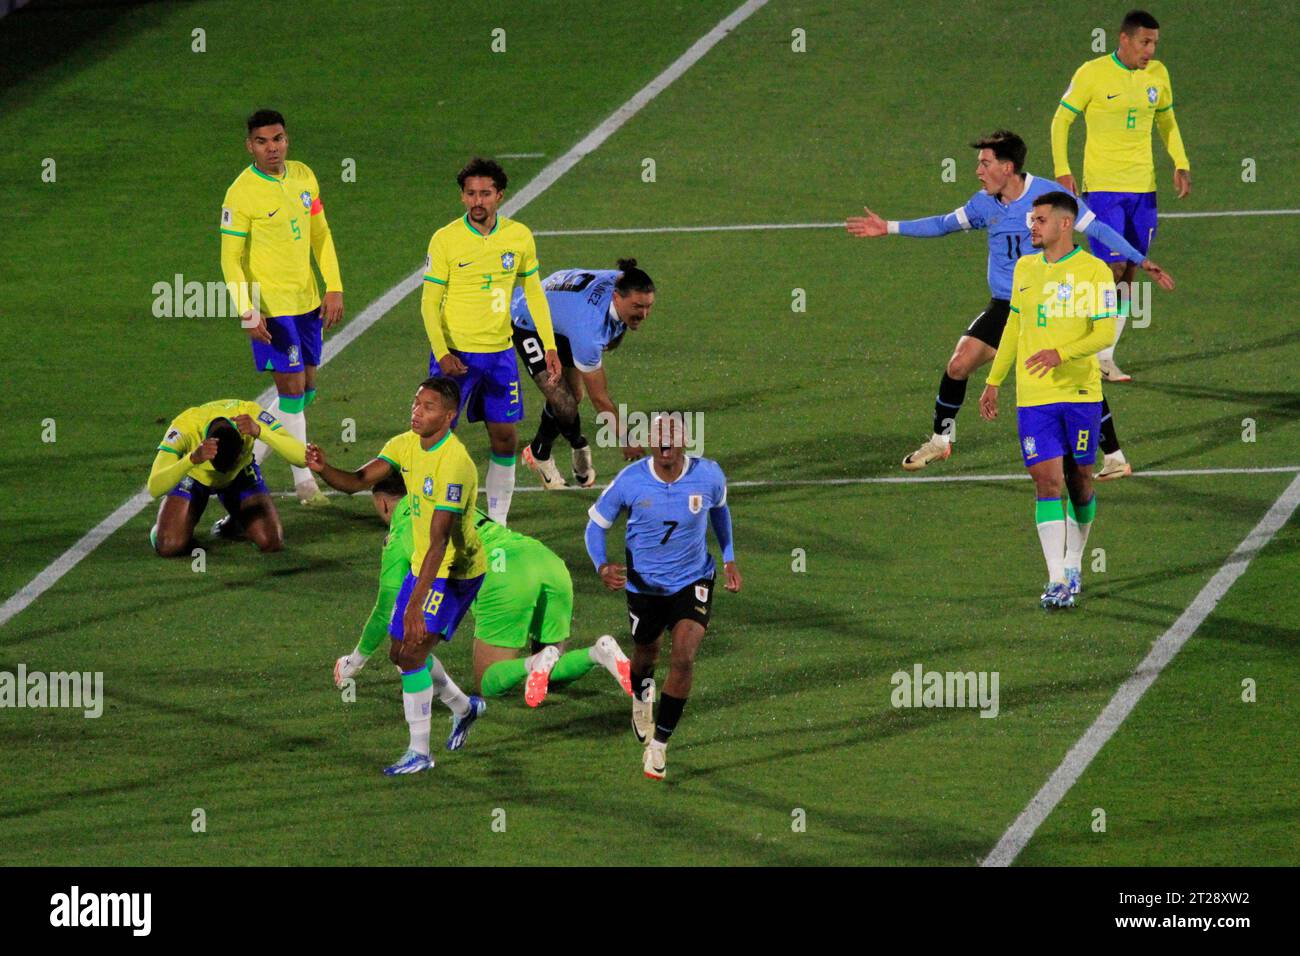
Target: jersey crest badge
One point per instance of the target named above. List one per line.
(507, 261)
(1063, 291)
(695, 503)
(1031, 447)
(428, 487)
(702, 595)
(306, 199)
(453, 491)
(1152, 95)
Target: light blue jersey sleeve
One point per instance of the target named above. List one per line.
(720, 518)
(963, 218)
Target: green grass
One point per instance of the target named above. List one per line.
(218, 689)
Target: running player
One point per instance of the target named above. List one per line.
(1002, 207)
(1063, 308)
(272, 224)
(671, 501)
(469, 273)
(209, 449)
(1120, 96)
(592, 310)
(526, 595)
(446, 567)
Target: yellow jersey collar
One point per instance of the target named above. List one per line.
(482, 235)
(1062, 259)
(1120, 63)
(253, 167)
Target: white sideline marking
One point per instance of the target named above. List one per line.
(1145, 674)
(917, 479)
(763, 226)
(47, 578)
(520, 155)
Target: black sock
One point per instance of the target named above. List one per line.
(951, 395)
(670, 711)
(1109, 440)
(548, 429)
(640, 679)
(572, 432)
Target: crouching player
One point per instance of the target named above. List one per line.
(1063, 308)
(209, 449)
(671, 500)
(526, 594)
(446, 567)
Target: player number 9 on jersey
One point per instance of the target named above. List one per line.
(432, 602)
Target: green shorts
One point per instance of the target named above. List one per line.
(531, 596)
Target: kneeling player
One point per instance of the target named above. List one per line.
(209, 449)
(446, 567)
(1063, 308)
(526, 593)
(671, 500)
(592, 310)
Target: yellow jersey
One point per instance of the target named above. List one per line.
(270, 228)
(1068, 305)
(188, 430)
(468, 281)
(1119, 107)
(439, 478)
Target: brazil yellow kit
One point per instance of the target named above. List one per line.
(188, 430)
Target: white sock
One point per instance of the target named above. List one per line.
(1051, 535)
(942, 439)
(500, 489)
(445, 689)
(417, 708)
(295, 423)
(1108, 354)
(607, 654)
(1117, 455)
(1076, 539)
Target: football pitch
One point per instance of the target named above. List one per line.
(813, 358)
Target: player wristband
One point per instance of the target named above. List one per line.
(891, 227)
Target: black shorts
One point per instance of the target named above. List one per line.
(652, 614)
(533, 353)
(988, 325)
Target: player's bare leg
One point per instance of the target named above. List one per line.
(261, 522)
(1049, 516)
(969, 355)
(644, 657)
(686, 637)
(558, 417)
(173, 534)
(1124, 273)
(500, 481)
(1081, 508)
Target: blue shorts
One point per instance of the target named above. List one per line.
(1132, 215)
(444, 608)
(295, 343)
(489, 391)
(248, 483)
(1061, 428)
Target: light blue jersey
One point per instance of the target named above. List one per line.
(667, 524)
(1008, 229)
(582, 310)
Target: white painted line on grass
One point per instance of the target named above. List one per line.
(767, 226)
(520, 155)
(920, 479)
(47, 578)
(1130, 692)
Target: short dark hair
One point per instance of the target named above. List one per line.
(230, 443)
(264, 118)
(1059, 199)
(1006, 146)
(448, 388)
(478, 166)
(1136, 20)
(393, 485)
(632, 279)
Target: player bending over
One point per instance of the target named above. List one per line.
(592, 310)
(446, 566)
(670, 501)
(473, 265)
(272, 224)
(1063, 311)
(1002, 207)
(526, 595)
(209, 449)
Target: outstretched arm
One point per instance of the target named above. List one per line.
(348, 482)
(873, 226)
